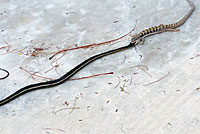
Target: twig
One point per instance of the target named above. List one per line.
(4, 47)
(198, 88)
(94, 44)
(131, 80)
(91, 76)
(123, 88)
(67, 108)
(157, 80)
(34, 74)
(74, 105)
(195, 56)
(51, 68)
(140, 67)
(124, 59)
(55, 129)
(118, 82)
(8, 50)
(60, 51)
(7, 46)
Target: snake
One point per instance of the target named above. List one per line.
(136, 38)
(63, 78)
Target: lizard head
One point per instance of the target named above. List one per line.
(135, 38)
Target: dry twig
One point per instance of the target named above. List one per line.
(157, 80)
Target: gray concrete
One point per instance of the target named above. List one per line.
(170, 105)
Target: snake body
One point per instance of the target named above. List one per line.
(63, 78)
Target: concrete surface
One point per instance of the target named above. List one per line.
(153, 90)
